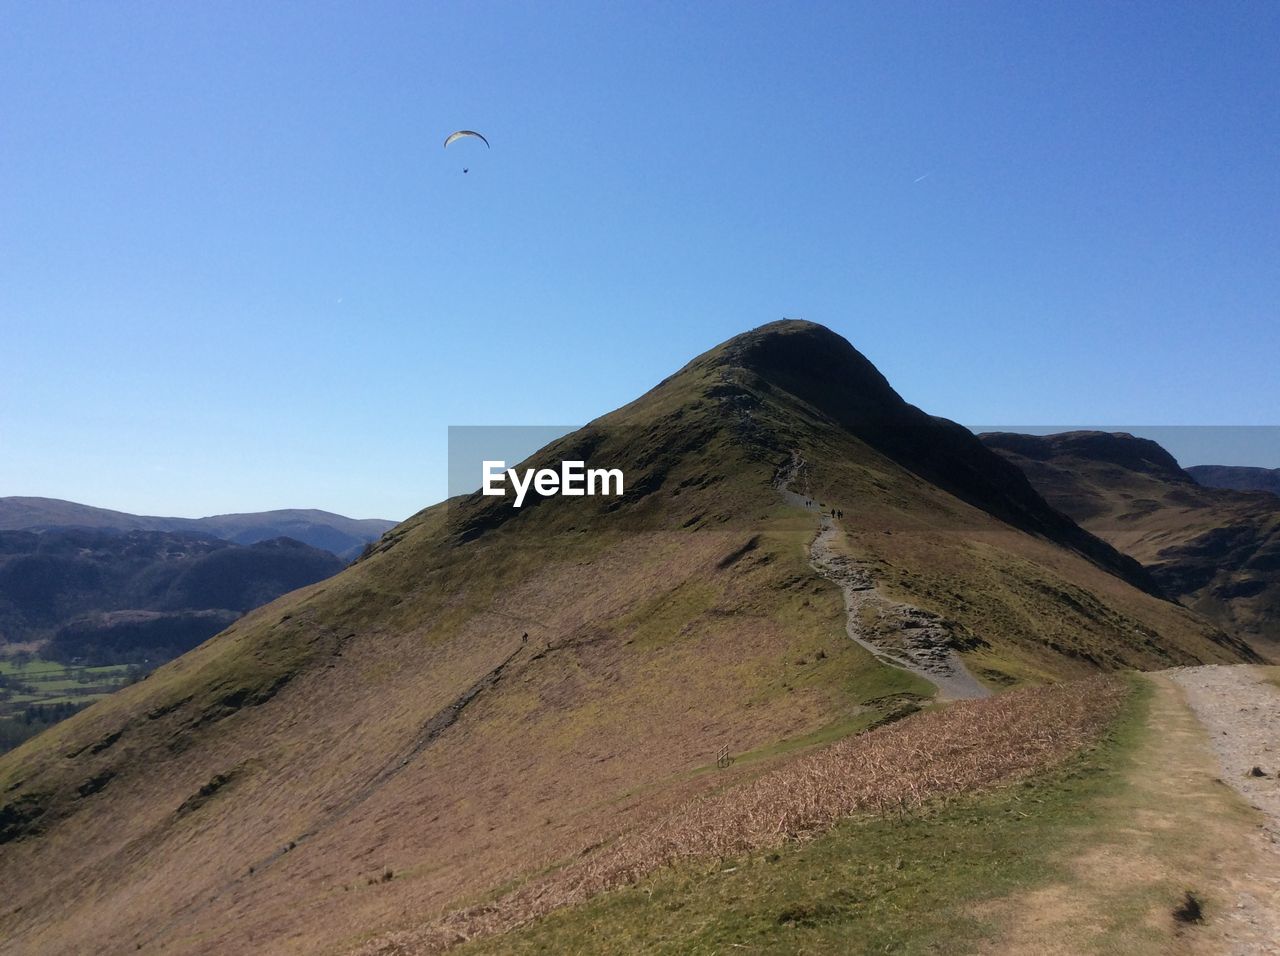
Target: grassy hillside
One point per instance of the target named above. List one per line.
(894, 770)
(256, 792)
(1092, 856)
(907, 881)
(1217, 550)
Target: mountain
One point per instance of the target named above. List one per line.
(1237, 477)
(345, 537)
(493, 692)
(1216, 550)
(76, 588)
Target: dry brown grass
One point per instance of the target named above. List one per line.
(967, 746)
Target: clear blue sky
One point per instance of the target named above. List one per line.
(238, 272)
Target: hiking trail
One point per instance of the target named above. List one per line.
(1240, 711)
(923, 643)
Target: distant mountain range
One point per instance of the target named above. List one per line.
(1215, 549)
(1237, 477)
(345, 537)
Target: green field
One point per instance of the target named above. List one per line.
(36, 693)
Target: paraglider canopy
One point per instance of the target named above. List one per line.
(454, 137)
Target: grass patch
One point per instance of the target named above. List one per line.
(832, 732)
(896, 883)
(836, 730)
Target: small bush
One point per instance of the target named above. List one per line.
(1190, 910)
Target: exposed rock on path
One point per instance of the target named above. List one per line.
(923, 646)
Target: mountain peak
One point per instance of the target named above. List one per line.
(815, 364)
(793, 359)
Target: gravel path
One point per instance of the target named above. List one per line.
(922, 642)
(1241, 712)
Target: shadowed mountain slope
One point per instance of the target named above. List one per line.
(823, 370)
(255, 793)
(1216, 550)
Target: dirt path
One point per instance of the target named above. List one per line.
(1170, 826)
(1241, 712)
(922, 643)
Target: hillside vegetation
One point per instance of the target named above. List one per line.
(1094, 855)
(967, 747)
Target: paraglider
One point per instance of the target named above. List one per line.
(462, 134)
(454, 137)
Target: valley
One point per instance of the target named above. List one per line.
(36, 693)
(104, 604)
